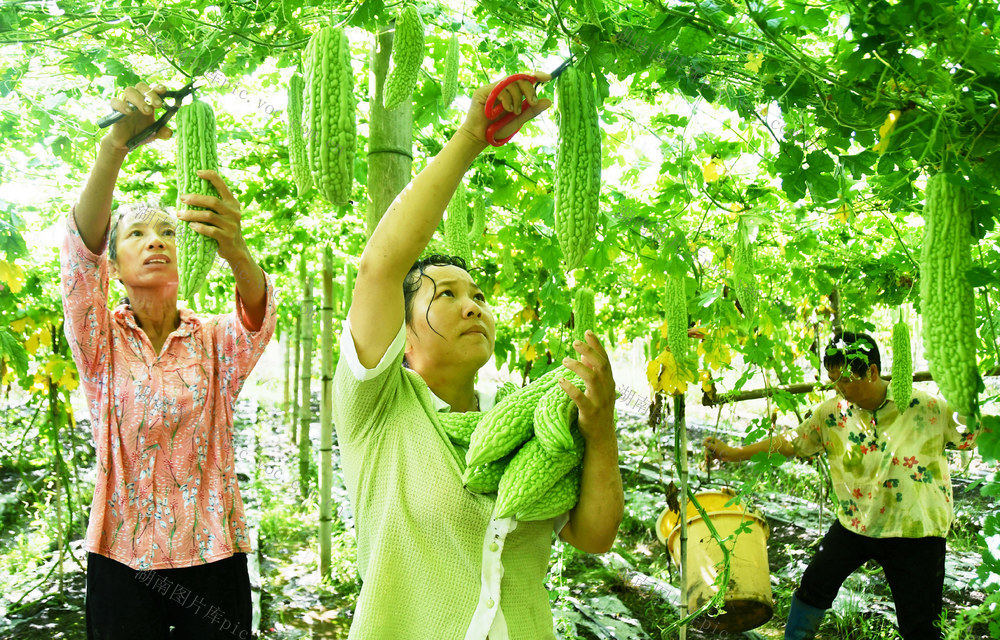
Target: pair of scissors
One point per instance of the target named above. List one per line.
(494, 107)
(147, 134)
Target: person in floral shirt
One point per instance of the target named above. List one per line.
(167, 536)
(890, 477)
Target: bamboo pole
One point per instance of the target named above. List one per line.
(294, 409)
(305, 401)
(680, 442)
(286, 384)
(714, 399)
(326, 419)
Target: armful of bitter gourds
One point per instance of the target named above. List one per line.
(196, 150)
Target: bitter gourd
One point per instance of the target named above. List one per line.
(744, 268)
(449, 88)
(578, 166)
(407, 55)
(509, 424)
(902, 366)
(456, 225)
(560, 498)
(555, 415)
(531, 473)
(478, 219)
(196, 149)
(946, 297)
(459, 426)
(485, 478)
(297, 155)
(329, 114)
(584, 317)
(675, 301)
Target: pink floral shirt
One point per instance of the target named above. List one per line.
(166, 494)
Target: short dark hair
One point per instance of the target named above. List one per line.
(411, 283)
(858, 350)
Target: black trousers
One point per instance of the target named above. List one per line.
(206, 602)
(914, 569)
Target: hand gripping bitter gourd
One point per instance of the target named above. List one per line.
(329, 114)
(578, 166)
(407, 55)
(196, 150)
(947, 299)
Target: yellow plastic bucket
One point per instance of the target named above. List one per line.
(748, 601)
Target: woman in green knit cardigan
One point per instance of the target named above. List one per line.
(433, 561)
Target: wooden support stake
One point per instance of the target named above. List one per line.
(712, 399)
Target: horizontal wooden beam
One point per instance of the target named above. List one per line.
(712, 399)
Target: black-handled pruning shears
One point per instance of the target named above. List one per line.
(494, 107)
(146, 134)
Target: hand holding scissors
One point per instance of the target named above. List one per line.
(504, 98)
(133, 115)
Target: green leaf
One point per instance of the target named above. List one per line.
(13, 351)
(981, 277)
(989, 438)
(692, 41)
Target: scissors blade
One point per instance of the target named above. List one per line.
(567, 63)
(181, 93)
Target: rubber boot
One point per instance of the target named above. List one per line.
(803, 620)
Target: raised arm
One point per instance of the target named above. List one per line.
(93, 212)
(408, 225)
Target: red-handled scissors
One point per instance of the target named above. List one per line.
(494, 107)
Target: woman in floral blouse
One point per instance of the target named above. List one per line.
(890, 476)
(167, 535)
